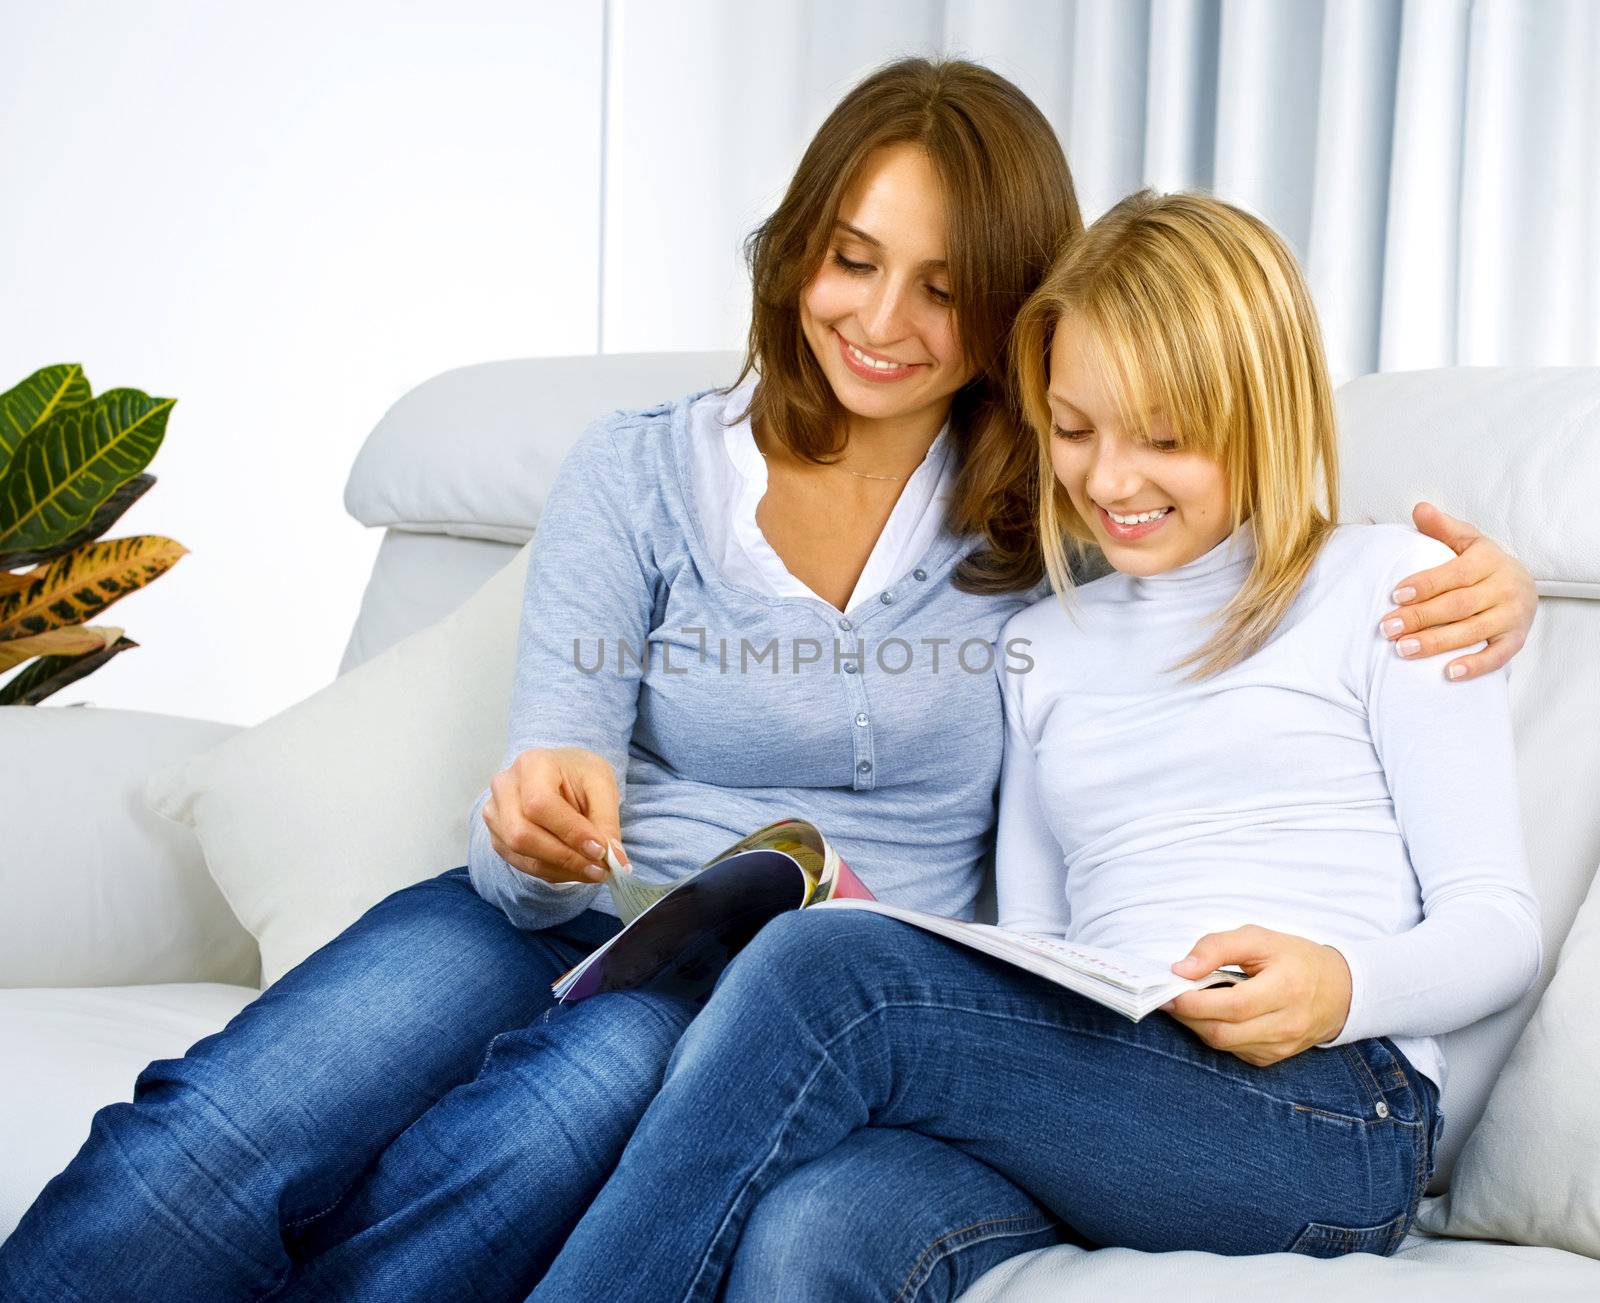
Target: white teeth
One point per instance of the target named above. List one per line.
(1140, 519)
(872, 361)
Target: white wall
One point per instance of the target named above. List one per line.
(284, 216)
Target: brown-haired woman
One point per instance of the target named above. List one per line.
(816, 565)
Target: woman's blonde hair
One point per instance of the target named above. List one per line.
(1197, 310)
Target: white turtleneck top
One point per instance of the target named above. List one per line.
(1324, 787)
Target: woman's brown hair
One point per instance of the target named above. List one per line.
(1009, 206)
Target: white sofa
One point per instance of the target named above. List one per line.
(116, 948)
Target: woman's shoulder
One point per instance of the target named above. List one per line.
(1049, 623)
(651, 431)
(628, 466)
(1041, 617)
(1372, 553)
(643, 450)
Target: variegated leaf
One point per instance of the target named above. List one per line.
(76, 588)
(71, 464)
(25, 408)
(50, 674)
(72, 641)
(106, 515)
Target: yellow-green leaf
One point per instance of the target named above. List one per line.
(73, 462)
(30, 404)
(77, 640)
(105, 516)
(76, 588)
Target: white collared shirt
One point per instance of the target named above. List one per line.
(730, 477)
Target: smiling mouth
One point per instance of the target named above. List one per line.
(1131, 526)
(1136, 518)
(872, 367)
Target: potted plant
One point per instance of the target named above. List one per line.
(70, 465)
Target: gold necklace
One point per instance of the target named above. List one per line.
(860, 475)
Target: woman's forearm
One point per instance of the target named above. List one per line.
(1474, 954)
(529, 902)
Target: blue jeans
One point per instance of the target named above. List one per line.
(402, 1116)
(1017, 1100)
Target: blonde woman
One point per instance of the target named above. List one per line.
(1216, 759)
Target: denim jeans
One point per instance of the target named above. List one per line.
(402, 1116)
(834, 1028)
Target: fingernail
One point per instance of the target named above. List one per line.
(593, 849)
(1409, 646)
(615, 860)
(1403, 595)
(1168, 1005)
(1457, 671)
(596, 872)
(1392, 627)
(1188, 961)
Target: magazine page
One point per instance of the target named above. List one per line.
(686, 938)
(1126, 984)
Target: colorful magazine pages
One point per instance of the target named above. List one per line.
(842, 884)
(793, 837)
(685, 940)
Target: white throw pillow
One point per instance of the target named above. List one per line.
(311, 817)
(1530, 1170)
(94, 889)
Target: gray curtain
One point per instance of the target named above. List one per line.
(1434, 163)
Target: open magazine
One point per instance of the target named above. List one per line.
(681, 935)
(1129, 986)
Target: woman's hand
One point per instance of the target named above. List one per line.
(552, 813)
(1484, 595)
(1298, 994)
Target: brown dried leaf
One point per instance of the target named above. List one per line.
(76, 640)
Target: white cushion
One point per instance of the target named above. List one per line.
(1512, 449)
(472, 452)
(97, 891)
(66, 1053)
(1530, 1171)
(1423, 1271)
(316, 814)
(1508, 449)
(416, 580)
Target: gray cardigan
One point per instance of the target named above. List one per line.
(722, 709)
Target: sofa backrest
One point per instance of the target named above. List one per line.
(456, 471)
(1517, 452)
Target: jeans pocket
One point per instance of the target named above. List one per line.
(1320, 1240)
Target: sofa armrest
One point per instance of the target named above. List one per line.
(99, 890)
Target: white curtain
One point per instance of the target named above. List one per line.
(1434, 163)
